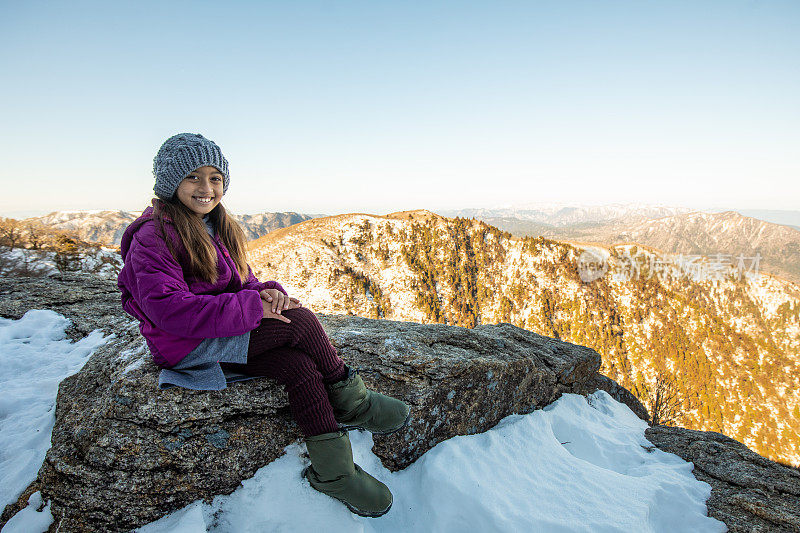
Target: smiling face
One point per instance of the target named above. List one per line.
(201, 190)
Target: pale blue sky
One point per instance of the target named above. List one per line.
(329, 107)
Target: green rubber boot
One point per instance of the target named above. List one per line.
(333, 472)
(355, 407)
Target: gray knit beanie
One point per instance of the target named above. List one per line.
(184, 153)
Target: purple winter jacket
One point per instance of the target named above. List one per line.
(177, 312)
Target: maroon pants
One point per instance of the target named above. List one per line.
(300, 357)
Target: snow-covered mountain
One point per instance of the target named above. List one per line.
(107, 227)
(104, 227)
(684, 232)
(727, 233)
(559, 214)
(730, 341)
(255, 226)
(554, 214)
(776, 216)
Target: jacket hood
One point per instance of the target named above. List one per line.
(130, 231)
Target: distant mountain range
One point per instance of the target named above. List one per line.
(669, 230)
(558, 215)
(555, 215)
(107, 227)
(729, 234)
(787, 218)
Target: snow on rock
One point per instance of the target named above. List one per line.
(103, 262)
(33, 518)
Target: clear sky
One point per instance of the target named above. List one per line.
(331, 107)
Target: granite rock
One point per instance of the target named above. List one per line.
(748, 492)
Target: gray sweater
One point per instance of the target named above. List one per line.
(200, 369)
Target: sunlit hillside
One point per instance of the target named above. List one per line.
(726, 348)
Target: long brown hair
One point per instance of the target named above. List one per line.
(201, 253)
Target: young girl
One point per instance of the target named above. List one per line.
(208, 321)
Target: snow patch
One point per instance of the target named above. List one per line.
(35, 356)
(30, 518)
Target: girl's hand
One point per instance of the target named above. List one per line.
(267, 312)
(279, 300)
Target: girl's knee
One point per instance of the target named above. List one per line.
(297, 366)
(302, 314)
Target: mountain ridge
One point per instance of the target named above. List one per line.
(465, 272)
